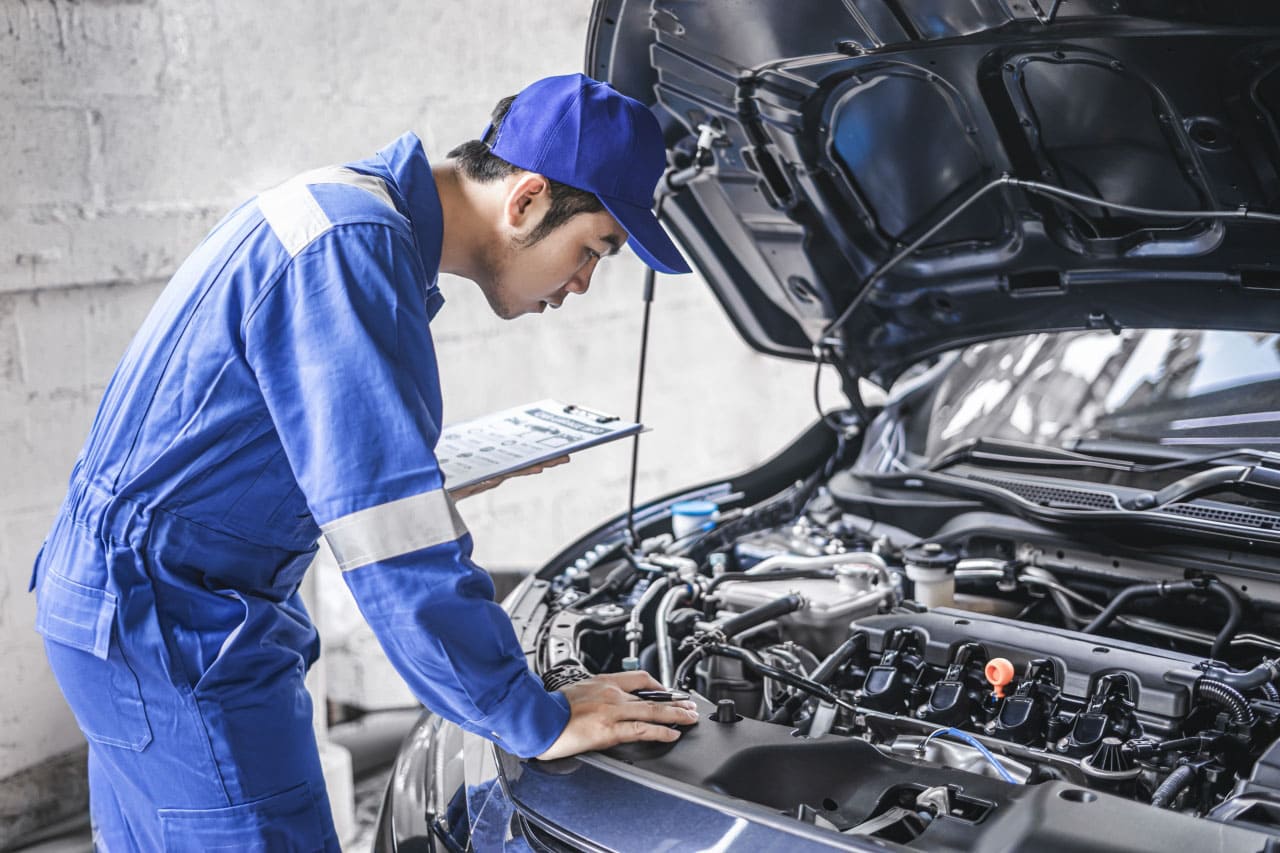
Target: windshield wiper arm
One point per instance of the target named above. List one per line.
(1265, 473)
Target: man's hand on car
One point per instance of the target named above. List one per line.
(604, 713)
(494, 482)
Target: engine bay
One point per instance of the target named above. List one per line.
(921, 690)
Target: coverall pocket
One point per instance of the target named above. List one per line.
(288, 821)
(78, 624)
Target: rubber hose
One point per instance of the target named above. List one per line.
(1146, 590)
(1169, 789)
(1226, 697)
(1235, 609)
(614, 582)
(828, 668)
(1250, 679)
(1269, 690)
(759, 615)
(788, 678)
(1235, 612)
(682, 671)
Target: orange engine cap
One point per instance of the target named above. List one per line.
(999, 672)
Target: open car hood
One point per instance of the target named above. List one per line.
(849, 129)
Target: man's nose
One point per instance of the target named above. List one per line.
(581, 280)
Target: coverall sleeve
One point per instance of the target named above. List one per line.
(342, 352)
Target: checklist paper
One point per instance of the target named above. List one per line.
(507, 441)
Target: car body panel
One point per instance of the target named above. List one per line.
(848, 129)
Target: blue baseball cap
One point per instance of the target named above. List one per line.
(586, 134)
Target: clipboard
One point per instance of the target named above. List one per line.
(501, 443)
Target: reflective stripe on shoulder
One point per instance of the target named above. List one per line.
(393, 528)
(293, 213)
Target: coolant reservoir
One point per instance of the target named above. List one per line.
(690, 517)
(932, 568)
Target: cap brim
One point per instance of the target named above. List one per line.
(646, 236)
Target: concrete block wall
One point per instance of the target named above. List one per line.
(128, 127)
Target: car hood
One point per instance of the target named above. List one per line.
(847, 130)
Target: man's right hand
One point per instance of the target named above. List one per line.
(603, 713)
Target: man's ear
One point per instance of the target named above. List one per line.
(527, 201)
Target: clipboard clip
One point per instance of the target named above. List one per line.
(598, 417)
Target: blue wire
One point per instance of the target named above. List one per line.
(976, 744)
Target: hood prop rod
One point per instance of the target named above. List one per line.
(672, 182)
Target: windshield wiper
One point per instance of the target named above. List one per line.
(1010, 452)
(1265, 474)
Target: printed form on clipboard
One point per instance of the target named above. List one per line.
(504, 442)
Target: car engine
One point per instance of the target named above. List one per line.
(886, 685)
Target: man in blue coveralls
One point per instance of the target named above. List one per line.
(285, 386)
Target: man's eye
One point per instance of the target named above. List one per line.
(592, 254)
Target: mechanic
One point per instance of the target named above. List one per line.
(285, 386)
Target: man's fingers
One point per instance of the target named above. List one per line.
(636, 680)
(633, 730)
(539, 467)
(657, 712)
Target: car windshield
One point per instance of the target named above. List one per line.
(1192, 390)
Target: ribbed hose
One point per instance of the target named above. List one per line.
(1269, 690)
(1225, 697)
(1169, 789)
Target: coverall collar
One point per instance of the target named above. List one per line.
(405, 163)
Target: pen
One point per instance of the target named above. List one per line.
(660, 695)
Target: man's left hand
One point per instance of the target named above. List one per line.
(486, 485)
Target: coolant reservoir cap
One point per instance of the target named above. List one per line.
(930, 556)
(698, 509)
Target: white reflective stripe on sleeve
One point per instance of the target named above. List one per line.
(393, 528)
(293, 213)
(294, 216)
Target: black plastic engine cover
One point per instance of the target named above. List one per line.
(1160, 681)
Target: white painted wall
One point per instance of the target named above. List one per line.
(129, 126)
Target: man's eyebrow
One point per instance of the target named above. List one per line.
(613, 241)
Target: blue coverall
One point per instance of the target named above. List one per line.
(284, 385)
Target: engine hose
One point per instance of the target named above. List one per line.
(1225, 697)
(1235, 613)
(682, 671)
(788, 678)
(1260, 676)
(1193, 744)
(615, 582)
(741, 622)
(1235, 609)
(826, 670)
(1173, 785)
(1269, 690)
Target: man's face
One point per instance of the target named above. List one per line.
(521, 278)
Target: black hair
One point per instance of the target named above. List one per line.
(479, 164)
